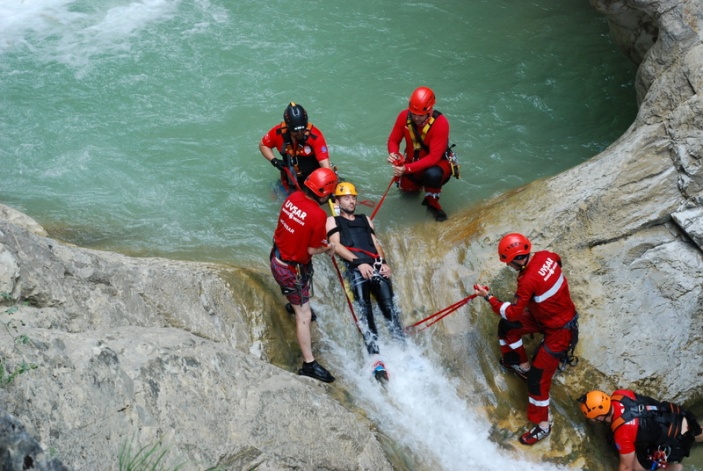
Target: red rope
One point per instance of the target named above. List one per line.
(378, 206)
(292, 178)
(349, 303)
(439, 315)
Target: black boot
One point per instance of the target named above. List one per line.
(317, 371)
(435, 208)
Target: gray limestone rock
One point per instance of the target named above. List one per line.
(19, 451)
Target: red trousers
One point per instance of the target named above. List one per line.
(544, 363)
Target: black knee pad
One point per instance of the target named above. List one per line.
(505, 326)
(511, 358)
(534, 379)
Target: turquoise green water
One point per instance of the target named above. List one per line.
(133, 125)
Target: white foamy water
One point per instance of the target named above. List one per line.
(73, 33)
(420, 408)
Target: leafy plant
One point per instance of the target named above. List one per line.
(148, 458)
(7, 376)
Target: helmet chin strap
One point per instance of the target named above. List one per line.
(527, 260)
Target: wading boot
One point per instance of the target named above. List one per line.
(433, 206)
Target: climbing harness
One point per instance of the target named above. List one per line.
(567, 357)
(660, 457)
(659, 422)
(290, 154)
(418, 138)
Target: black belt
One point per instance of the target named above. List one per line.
(277, 253)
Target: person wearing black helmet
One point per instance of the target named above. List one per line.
(302, 147)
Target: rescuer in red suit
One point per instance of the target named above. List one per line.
(301, 145)
(423, 164)
(542, 304)
(647, 433)
(299, 235)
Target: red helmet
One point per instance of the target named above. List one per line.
(513, 245)
(421, 101)
(322, 181)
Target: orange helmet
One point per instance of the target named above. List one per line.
(322, 181)
(513, 245)
(594, 404)
(421, 101)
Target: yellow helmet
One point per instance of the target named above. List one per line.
(345, 188)
(594, 404)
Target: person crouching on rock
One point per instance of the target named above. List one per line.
(648, 434)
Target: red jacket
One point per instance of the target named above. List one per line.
(301, 224)
(315, 146)
(625, 435)
(436, 139)
(543, 290)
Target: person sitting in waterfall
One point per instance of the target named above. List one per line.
(367, 271)
(425, 163)
(302, 147)
(648, 434)
(542, 304)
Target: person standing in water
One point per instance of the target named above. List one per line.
(301, 145)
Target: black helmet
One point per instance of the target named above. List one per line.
(295, 117)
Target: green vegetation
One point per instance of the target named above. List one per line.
(10, 325)
(148, 458)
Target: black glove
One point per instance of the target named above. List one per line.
(278, 163)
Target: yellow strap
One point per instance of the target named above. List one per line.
(417, 143)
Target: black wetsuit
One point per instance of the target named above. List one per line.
(356, 236)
